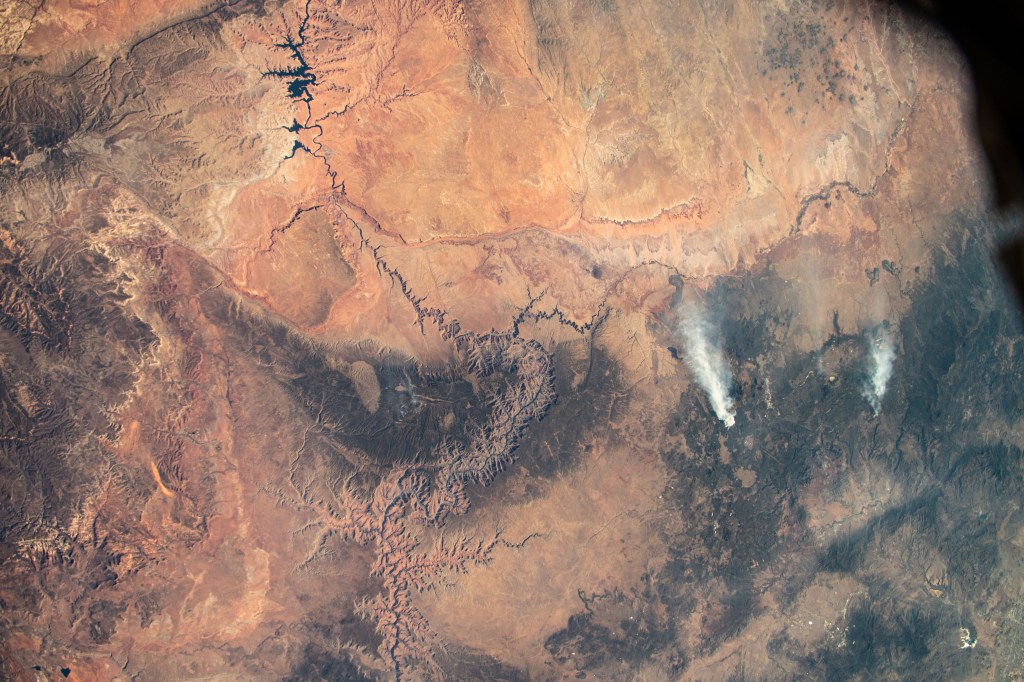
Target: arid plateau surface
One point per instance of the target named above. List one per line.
(501, 340)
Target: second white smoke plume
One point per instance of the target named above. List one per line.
(882, 354)
(707, 362)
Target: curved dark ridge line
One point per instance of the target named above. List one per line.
(219, 6)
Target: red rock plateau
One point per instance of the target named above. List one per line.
(500, 339)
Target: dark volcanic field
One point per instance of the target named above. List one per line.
(957, 382)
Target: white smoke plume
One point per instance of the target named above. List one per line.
(882, 353)
(706, 361)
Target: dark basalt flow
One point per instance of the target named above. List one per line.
(958, 373)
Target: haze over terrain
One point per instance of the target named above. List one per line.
(504, 340)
